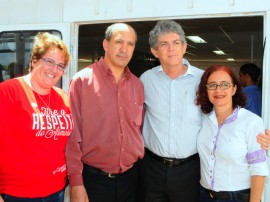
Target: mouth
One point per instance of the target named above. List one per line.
(122, 56)
(50, 75)
(219, 96)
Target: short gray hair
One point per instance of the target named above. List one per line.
(165, 27)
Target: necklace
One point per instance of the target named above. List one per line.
(47, 106)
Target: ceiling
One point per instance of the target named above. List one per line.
(240, 38)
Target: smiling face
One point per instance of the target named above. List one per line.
(169, 50)
(218, 97)
(44, 76)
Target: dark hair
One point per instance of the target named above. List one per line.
(238, 99)
(252, 70)
(165, 27)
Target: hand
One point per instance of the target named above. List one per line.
(78, 194)
(264, 139)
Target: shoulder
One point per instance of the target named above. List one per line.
(249, 117)
(59, 91)
(10, 85)
(135, 79)
(84, 73)
(60, 96)
(196, 71)
(149, 73)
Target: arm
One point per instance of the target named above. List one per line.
(257, 184)
(264, 139)
(73, 147)
(78, 194)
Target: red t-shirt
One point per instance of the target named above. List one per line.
(32, 140)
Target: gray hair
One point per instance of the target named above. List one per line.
(116, 27)
(165, 27)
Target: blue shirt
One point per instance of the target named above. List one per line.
(172, 120)
(254, 99)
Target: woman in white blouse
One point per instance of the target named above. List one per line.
(233, 165)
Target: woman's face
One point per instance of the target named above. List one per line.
(221, 97)
(46, 72)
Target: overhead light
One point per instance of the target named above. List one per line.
(196, 39)
(230, 59)
(84, 60)
(219, 52)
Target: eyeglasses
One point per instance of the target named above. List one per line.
(222, 85)
(51, 63)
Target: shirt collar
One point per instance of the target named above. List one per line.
(107, 71)
(190, 69)
(212, 116)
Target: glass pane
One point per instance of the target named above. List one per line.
(15, 52)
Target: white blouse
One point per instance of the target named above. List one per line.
(229, 153)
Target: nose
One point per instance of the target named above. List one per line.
(124, 47)
(171, 46)
(54, 69)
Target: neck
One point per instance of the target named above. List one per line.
(34, 85)
(118, 74)
(223, 113)
(175, 72)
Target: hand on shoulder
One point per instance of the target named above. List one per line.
(264, 139)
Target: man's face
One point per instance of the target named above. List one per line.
(119, 50)
(170, 50)
(243, 78)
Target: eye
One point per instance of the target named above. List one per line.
(177, 42)
(212, 86)
(131, 44)
(50, 62)
(163, 44)
(224, 85)
(61, 66)
(119, 42)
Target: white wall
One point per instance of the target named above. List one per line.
(49, 11)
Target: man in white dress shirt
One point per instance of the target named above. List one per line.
(170, 170)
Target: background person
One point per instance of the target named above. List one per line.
(233, 165)
(249, 75)
(107, 104)
(35, 124)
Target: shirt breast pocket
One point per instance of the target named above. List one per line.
(136, 113)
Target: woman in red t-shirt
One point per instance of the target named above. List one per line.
(35, 124)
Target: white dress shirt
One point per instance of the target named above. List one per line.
(172, 120)
(230, 154)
